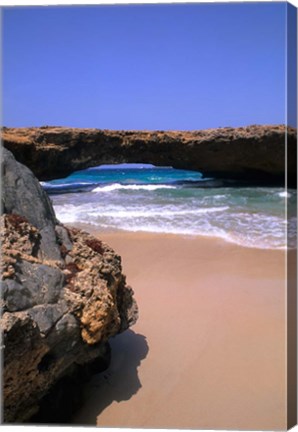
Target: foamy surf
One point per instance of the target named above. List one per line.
(284, 194)
(118, 186)
(246, 229)
(170, 201)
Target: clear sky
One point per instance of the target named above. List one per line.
(173, 66)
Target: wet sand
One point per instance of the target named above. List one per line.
(208, 350)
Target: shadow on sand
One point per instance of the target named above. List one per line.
(119, 382)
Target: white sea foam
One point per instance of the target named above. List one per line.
(248, 217)
(247, 229)
(284, 194)
(218, 196)
(118, 186)
(148, 201)
(62, 185)
(72, 212)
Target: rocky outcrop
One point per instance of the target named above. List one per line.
(63, 296)
(254, 153)
(22, 195)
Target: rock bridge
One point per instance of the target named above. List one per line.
(253, 154)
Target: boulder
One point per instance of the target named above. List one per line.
(63, 296)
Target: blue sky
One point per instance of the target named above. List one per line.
(174, 66)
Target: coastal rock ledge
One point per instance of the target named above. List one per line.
(63, 296)
(254, 154)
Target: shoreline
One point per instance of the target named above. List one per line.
(93, 230)
(208, 350)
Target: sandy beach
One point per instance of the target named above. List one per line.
(208, 350)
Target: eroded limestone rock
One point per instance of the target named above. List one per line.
(254, 154)
(60, 301)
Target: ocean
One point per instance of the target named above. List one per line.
(135, 197)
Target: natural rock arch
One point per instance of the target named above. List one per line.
(254, 153)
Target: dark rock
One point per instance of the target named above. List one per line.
(66, 334)
(46, 316)
(63, 237)
(33, 284)
(16, 296)
(66, 396)
(22, 195)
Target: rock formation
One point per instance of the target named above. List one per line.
(63, 296)
(255, 154)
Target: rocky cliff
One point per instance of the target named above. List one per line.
(255, 154)
(63, 296)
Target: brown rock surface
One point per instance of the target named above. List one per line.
(57, 312)
(253, 153)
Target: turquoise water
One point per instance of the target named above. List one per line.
(164, 200)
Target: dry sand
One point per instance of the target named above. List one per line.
(208, 350)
